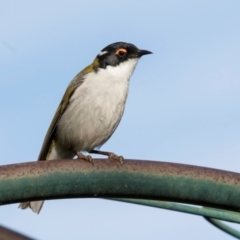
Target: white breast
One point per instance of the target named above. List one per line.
(96, 108)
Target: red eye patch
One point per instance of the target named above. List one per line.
(121, 52)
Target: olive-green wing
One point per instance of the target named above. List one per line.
(74, 84)
(48, 141)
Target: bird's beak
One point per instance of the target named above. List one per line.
(143, 52)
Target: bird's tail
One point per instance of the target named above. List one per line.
(55, 153)
(36, 206)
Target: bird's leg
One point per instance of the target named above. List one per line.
(87, 158)
(110, 155)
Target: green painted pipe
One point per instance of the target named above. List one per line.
(226, 215)
(235, 233)
(109, 179)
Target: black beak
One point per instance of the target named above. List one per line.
(143, 52)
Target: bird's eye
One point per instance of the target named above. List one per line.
(121, 52)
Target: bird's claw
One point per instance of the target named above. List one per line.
(87, 158)
(116, 158)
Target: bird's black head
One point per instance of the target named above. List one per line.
(119, 52)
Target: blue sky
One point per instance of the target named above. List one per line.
(183, 103)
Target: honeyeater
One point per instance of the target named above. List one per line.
(91, 108)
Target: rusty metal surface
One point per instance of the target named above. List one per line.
(7, 234)
(108, 179)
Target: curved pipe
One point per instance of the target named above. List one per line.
(109, 179)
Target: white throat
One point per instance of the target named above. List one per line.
(122, 71)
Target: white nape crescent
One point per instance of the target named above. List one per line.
(102, 53)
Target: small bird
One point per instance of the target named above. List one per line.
(91, 108)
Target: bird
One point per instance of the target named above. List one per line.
(91, 108)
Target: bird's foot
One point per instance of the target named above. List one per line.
(87, 158)
(110, 155)
(115, 157)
